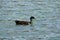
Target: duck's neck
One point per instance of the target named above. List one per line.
(31, 21)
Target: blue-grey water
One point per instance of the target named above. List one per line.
(46, 26)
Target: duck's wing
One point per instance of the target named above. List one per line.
(22, 22)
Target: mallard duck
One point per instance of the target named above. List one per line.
(25, 22)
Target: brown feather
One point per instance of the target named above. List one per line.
(22, 23)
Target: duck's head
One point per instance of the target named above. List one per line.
(31, 18)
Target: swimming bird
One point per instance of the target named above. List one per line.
(25, 22)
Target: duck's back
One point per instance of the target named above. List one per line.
(22, 22)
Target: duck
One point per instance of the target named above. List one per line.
(25, 22)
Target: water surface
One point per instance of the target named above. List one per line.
(47, 23)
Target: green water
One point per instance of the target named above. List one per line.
(46, 26)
